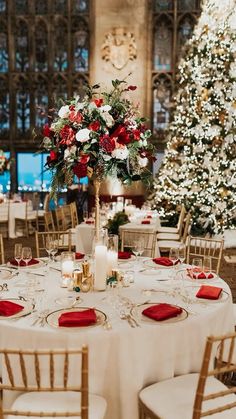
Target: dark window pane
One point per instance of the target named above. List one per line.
(21, 7)
(23, 111)
(163, 5)
(3, 53)
(41, 102)
(41, 48)
(186, 4)
(4, 109)
(22, 47)
(81, 6)
(2, 6)
(60, 45)
(5, 183)
(162, 47)
(79, 86)
(60, 90)
(184, 33)
(81, 50)
(60, 6)
(41, 7)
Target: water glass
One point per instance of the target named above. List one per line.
(182, 253)
(26, 255)
(18, 253)
(48, 246)
(207, 264)
(196, 266)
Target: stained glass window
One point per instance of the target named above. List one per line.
(79, 85)
(3, 53)
(163, 5)
(4, 108)
(161, 99)
(41, 7)
(187, 4)
(41, 48)
(22, 46)
(2, 6)
(184, 32)
(162, 47)
(22, 108)
(61, 46)
(81, 6)
(21, 7)
(41, 102)
(81, 46)
(60, 6)
(60, 89)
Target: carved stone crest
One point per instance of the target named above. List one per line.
(119, 48)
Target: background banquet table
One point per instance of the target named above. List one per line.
(16, 209)
(123, 360)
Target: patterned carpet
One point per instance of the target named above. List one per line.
(227, 271)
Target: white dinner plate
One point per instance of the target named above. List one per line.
(35, 266)
(137, 312)
(193, 289)
(52, 318)
(28, 308)
(6, 274)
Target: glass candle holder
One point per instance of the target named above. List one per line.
(112, 253)
(67, 268)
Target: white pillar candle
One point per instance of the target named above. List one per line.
(100, 267)
(67, 267)
(112, 261)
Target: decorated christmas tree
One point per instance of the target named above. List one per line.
(199, 166)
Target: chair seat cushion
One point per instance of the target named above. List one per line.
(58, 402)
(168, 236)
(167, 230)
(174, 398)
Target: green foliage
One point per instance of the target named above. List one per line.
(118, 220)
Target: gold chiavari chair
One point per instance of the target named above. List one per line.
(61, 238)
(49, 222)
(67, 215)
(2, 254)
(194, 395)
(49, 385)
(201, 247)
(128, 237)
(4, 218)
(165, 245)
(74, 214)
(60, 221)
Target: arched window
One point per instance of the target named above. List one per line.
(44, 57)
(173, 23)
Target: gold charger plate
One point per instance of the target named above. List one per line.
(52, 318)
(137, 312)
(28, 308)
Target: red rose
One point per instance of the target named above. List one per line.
(84, 158)
(53, 155)
(132, 87)
(136, 134)
(67, 135)
(121, 134)
(94, 126)
(75, 117)
(98, 102)
(72, 107)
(47, 132)
(80, 170)
(108, 144)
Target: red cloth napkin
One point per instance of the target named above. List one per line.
(89, 222)
(162, 311)
(124, 255)
(22, 263)
(198, 274)
(7, 308)
(209, 292)
(145, 222)
(164, 261)
(79, 255)
(78, 318)
(149, 216)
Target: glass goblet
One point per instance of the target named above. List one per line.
(18, 253)
(26, 255)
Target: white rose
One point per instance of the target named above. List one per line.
(69, 152)
(142, 161)
(64, 111)
(120, 153)
(83, 135)
(108, 119)
(105, 108)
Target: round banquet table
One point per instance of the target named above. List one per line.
(123, 360)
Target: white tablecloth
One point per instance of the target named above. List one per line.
(123, 360)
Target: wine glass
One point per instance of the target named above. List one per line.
(182, 253)
(85, 216)
(48, 246)
(18, 253)
(207, 265)
(26, 255)
(54, 248)
(138, 248)
(174, 257)
(196, 266)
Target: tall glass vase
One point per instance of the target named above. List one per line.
(97, 185)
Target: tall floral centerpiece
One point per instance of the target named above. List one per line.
(101, 135)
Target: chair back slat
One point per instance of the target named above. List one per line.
(74, 214)
(9, 369)
(66, 369)
(23, 370)
(2, 253)
(63, 239)
(49, 222)
(37, 370)
(51, 370)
